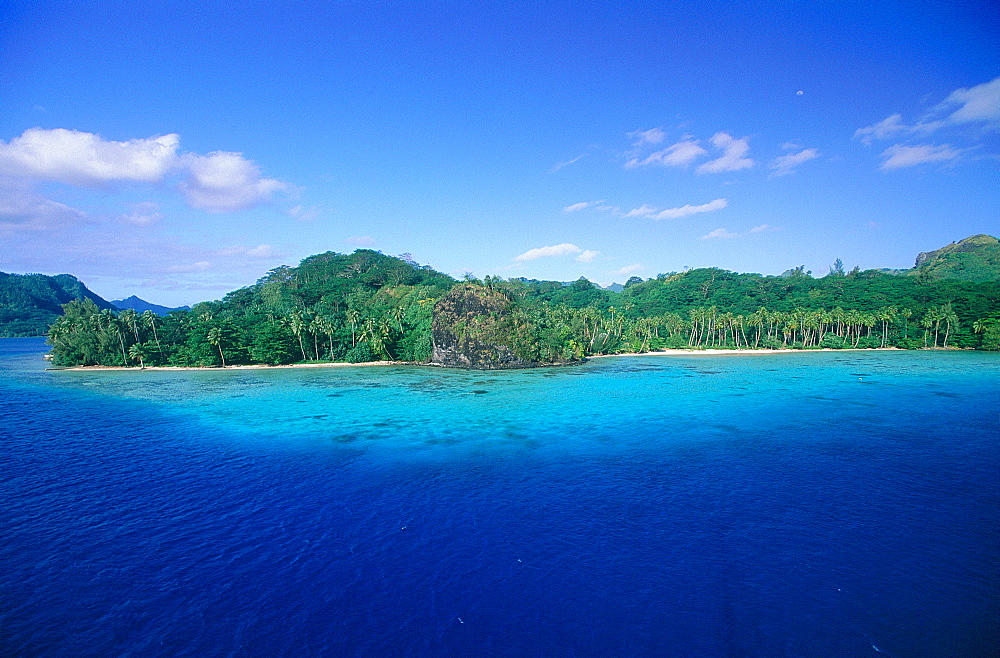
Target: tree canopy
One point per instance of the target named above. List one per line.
(368, 306)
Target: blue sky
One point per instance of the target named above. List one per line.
(179, 150)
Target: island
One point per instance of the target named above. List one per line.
(370, 307)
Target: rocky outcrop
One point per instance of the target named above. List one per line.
(478, 327)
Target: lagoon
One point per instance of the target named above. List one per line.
(837, 503)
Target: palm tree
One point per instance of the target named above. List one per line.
(906, 314)
(887, 315)
(376, 332)
(112, 324)
(757, 320)
(137, 353)
(951, 321)
(352, 319)
(933, 318)
(695, 315)
(868, 321)
(150, 318)
(297, 324)
(927, 322)
(215, 338)
(316, 328)
(131, 320)
(853, 321)
(326, 326)
(837, 316)
(810, 327)
(774, 321)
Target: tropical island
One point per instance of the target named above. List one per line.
(367, 306)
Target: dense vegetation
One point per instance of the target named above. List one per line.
(29, 303)
(367, 306)
(332, 307)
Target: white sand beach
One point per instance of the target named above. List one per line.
(238, 367)
(717, 352)
(670, 352)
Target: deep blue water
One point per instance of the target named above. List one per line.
(825, 504)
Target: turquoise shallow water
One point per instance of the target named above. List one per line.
(624, 401)
(841, 503)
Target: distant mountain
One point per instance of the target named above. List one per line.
(976, 258)
(614, 287)
(29, 303)
(141, 305)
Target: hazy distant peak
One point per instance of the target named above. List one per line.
(141, 305)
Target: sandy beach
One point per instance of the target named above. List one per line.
(239, 367)
(671, 352)
(694, 352)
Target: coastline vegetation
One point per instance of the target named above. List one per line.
(367, 306)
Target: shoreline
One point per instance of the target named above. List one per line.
(253, 366)
(339, 364)
(721, 352)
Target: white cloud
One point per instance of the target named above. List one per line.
(217, 182)
(719, 233)
(651, 136)
(976, 104)
(304, 214)
(884, 129)
(78, 158)
(900, 156)
(628, 269)
(564, 249)
(98, 249)
(763, 228)
(675, 213)
(732, 158)
(361, 241)
(587, 256)
(786, 164)
(200, 266)
(566, 163)
(143, 214)
(645, 210)
(224, 182)
(582, 205)
(262, 251)
(22, 211)
(678, 155)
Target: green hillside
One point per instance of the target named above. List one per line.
(29, 303)
(973, 259)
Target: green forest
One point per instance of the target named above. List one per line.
(367, 306)
(30, 303)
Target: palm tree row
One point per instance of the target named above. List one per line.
(101, 337)
(707, 327)
(398, 328)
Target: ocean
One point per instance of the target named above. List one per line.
(818, 504)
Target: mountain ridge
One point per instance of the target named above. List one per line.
(29, 303)
(976, 258)
(140, 305)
